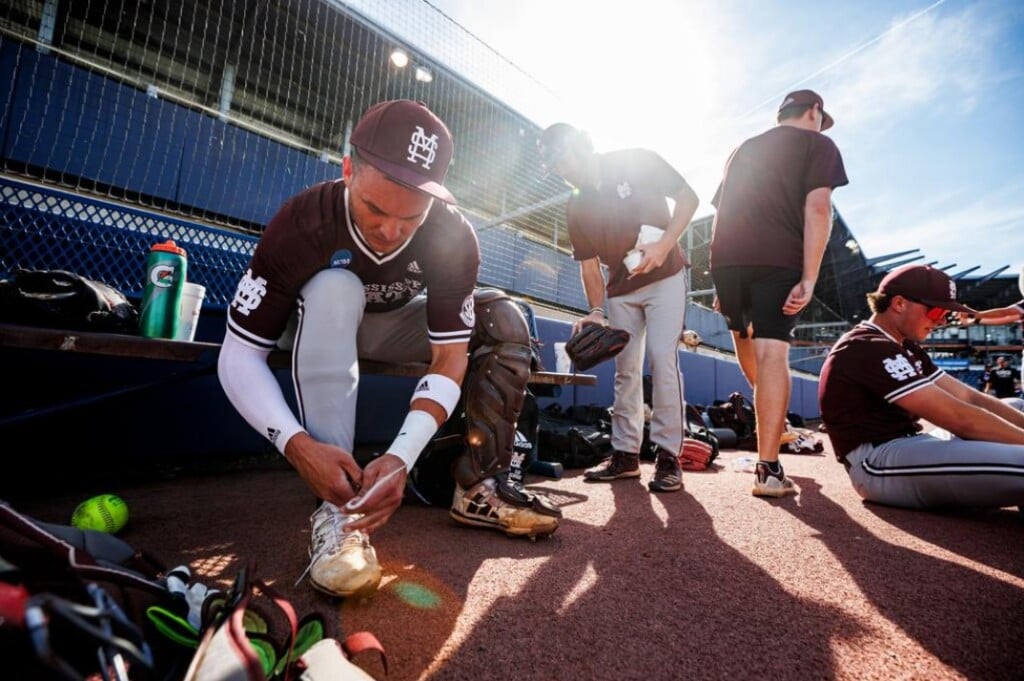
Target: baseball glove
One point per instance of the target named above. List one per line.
(691, 339)
(696, 455)
(594, 343)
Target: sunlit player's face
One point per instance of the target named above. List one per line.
(386, 213)
(921, 319)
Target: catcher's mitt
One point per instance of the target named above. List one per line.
(696, 455)
(594, 343)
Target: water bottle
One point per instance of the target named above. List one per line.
(744, 464)
(166, 270)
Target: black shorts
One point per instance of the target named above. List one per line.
(754, 296)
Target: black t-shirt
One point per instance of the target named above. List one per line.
(1002, 380)
(760, 201)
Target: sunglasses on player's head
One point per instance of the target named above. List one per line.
(935, 314)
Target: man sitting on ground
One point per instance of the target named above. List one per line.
(878, 383)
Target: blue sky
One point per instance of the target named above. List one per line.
(928, 99)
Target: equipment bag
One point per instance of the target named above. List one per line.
(240, 640)
(736, 414)
(65, 300)
(565, 440)
(73, 604)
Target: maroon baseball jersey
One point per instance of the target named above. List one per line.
(313, 231)
(863, 376)
(604, 221)
(760, 201)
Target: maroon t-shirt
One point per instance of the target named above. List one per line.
(604, 222)
(863, 376)
(760, 201)
(313, 231)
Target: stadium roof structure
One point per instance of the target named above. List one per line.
(851, 275)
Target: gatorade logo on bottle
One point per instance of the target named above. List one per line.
(162, 276)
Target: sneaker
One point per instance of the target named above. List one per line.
(618, 465)
(482, 506)
(340, 563)
(668, 476)
(768, 484)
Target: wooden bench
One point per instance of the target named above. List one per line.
(139, 347)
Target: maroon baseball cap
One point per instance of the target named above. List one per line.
(407, 142)
(807, 98)
(922, 284)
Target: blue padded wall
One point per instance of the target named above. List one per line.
(104, 131)
(8, 75)
(729, 379)
(535, 267)
(235, 172)
(700, 385)
(570, 285)
(496, 268)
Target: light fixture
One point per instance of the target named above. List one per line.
(399, 58)
(423, 75)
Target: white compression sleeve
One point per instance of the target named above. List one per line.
(254, 391)
(438, 388)
(413, 437)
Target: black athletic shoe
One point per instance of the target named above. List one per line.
(618, 465)
(668, 476)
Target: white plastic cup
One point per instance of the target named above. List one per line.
(188, 312)
(562, 362)
(632, 260)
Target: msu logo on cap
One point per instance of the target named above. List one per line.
(407, 142)
(422, 148)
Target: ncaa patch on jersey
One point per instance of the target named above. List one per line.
(342, 258)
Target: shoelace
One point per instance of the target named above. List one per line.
(328, 536)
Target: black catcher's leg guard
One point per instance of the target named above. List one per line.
(493, 393)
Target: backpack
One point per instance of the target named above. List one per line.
(736, 414)
(578, 438)
(65, 300)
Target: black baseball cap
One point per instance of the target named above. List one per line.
(807, 98)
(923, 284)
(407, 142)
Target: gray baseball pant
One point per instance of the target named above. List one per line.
(925, 471)
(654, 316)
(330, 334)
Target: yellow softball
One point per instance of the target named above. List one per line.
(105, 513)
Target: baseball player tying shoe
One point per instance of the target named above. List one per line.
(878, 383)
(380, 265)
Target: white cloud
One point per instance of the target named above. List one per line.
(940, 59)
(985, 231)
